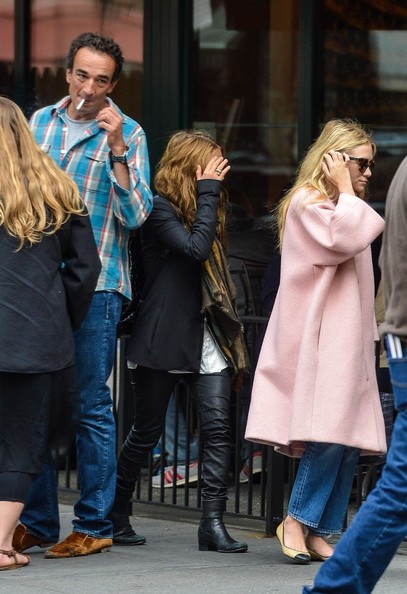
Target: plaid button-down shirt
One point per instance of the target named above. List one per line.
(112, 209)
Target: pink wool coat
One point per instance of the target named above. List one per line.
(315, 379)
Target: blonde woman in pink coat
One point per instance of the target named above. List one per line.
(315, 394)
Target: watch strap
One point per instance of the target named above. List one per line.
(118, 158)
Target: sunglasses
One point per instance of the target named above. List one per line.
(363, 163)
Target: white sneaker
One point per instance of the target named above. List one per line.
(168, 480)
(257, 458)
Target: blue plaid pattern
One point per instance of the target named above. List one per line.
(113, 210)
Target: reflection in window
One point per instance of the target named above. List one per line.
(364, 76)
(244, 91)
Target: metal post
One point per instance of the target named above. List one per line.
(22, 51)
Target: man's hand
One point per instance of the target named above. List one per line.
(110, 120)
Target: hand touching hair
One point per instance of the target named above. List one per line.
(338, 136)
(189, 156)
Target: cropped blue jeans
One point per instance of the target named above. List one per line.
(320, 495)
(380, 525)
(95, 343)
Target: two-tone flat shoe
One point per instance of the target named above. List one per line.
(317, 556)
(303, 557)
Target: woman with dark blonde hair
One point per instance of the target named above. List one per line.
(176, 336)
(315, 395)
(48, 271)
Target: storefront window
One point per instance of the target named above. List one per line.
(364, 76)
(245, 92)
(7, 44)
(245, 86)
(56, 23)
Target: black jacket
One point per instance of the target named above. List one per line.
(168, 333)
(45, 292)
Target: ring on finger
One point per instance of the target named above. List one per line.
(218, 171)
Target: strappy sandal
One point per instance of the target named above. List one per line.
(15, 565)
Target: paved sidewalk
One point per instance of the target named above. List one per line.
(171, 563)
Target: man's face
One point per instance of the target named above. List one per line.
(90, 79)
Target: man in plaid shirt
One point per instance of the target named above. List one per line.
(105, 152)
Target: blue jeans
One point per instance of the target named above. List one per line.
(368, 546)
(181, 446)
(96, 437)
(322, 486)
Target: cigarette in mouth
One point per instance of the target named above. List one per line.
(81, 102)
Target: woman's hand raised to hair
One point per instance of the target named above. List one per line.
(216, 168)
(335, 168)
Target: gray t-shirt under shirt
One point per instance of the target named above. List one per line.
(76, 128)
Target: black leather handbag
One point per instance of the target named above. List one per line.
(131, 308)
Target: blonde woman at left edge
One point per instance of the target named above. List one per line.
(315, 394)
(49, 266)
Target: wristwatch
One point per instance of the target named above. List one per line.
(119, 158)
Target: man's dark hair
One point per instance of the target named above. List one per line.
(98, 43)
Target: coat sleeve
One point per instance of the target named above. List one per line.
(80, 266)
(169, 230)
(342, 230)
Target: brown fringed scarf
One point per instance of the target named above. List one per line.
(218, 302)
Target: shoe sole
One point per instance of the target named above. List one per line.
(52, 556)
(178, 483)
(203, 546)
(13, 566)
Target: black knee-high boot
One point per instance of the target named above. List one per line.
(213, 401)
(212, 533)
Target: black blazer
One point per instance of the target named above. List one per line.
(168, 333)
(45, 292)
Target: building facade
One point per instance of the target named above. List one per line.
(261, 75)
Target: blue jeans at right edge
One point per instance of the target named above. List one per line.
(380, 525)
(322, 486)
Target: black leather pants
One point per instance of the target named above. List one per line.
(213, 405)
(152, 390)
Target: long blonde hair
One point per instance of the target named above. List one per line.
(175, 177)
(339, 135)
(36, 196)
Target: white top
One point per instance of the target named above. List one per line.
(212, 360)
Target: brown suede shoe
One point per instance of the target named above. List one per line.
(78, 544)
(23, 540)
